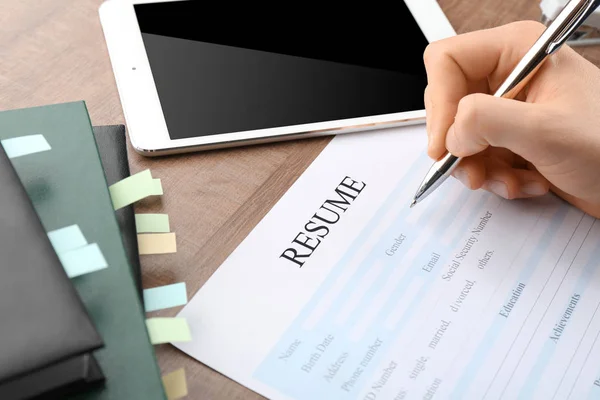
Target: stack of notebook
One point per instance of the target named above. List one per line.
(65, 334)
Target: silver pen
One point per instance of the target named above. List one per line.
(563, 26)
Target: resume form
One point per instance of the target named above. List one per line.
(344, 292)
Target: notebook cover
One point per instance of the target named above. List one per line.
(65, 378)
(67, 186)
(112, 147)
(44, 322)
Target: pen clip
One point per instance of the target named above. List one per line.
(574, 23)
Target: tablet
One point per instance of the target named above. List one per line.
(193, 75)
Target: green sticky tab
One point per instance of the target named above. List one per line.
(157, 189)
(134, 188)
(165, 297)
(152, 223)
(67, 238)
(83, 260)
(23, 145)
(166, 330)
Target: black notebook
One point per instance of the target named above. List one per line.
(69, 377)
(45, 330)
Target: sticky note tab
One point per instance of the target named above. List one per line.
(166, 330)
(134, 188)
(83, 260)
(156, 223)
(67, 238)
(175, 384)
(165, 297)
(156, 243)
(21, 146)
(157, 189)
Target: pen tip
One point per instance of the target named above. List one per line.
(414, 202)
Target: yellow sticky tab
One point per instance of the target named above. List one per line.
(175, 384)
(166, 330)
(156, 243)
(134, 188)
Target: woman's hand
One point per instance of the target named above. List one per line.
(548, 138)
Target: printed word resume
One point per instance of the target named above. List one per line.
(344, 292)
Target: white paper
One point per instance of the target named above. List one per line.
(464, 296)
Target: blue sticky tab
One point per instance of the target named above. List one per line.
(165, 297)
(83, 260)
(67, 238)
(21, 146)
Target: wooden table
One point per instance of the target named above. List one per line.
(53, 51)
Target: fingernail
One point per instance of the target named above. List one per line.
(462, 176)
(533, 189)
(498, 188)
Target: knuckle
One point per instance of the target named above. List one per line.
(433, 52)
(468, 125)
(467, 117)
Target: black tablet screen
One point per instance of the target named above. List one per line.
(224, 67)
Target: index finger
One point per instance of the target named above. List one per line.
(469, 63)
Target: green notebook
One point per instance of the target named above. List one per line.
(67, 187)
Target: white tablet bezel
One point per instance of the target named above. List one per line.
(141, 105)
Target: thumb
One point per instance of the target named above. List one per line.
(483, 120)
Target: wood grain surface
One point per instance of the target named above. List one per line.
(53, 51)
